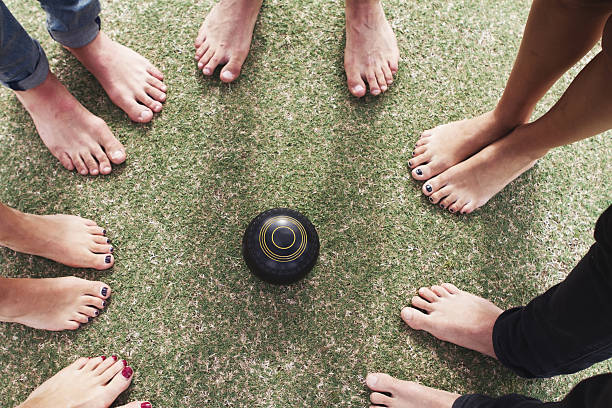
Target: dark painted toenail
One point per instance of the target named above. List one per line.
(431, 199)
(442, 205)
(112, 249)
(107, 259)
(145, 405)
(428, 188)
(103, 304)
(89, 319)
(451, 210)
(127, 372)
(103, 358)
(409, 164)
(103, 232)
(96, 313)
(104, 290)
(108, 240)
(419, 172)
(124, 363)
(114, 358)
(413, 153)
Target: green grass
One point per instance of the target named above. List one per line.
(196, 326)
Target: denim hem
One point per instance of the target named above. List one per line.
(77, 38)
(35, 78)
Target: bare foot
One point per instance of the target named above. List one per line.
(225, 37)
(371, 48)
(92, 383)
(77, 138)
(67, 239)
(51, 304)
(129, 79)
(470, 184)
(393, 393)
(444, 146)
(455, 316)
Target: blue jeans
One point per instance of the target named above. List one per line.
(23, 63)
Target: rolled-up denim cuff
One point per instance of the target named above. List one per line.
(77, 38)
(35, 78)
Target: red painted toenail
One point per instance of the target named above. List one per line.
(145, 405)
(114, 358)
(127, 372)
(124, 363)
(103, 358)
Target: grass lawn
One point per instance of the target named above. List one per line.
(199, 330)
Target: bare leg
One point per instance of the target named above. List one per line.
(371, 48)
(393, 393)
(225, 37)
(556, 36)
(129, 79)
(583, 111)
(88, 382)
(76, 137)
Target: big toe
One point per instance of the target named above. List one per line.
(381, 382)
(99, 289)
(121, 381)
(355, 83)
(232, 69)
(414, 318)
(136, 112)
(113, 148)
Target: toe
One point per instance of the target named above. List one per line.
(202, 49)
(113, 370)
(416, 161)
(421, 303)
(90, 162)
(468, 208)
(156, 83)
(79, 164)
(200, 37)
(101, 239)
(427, 294)
(79, 363)
(388, 74)
(155, 72)
(65, 160)
(99, 289)
(373, 83)
(152, 104)
(380, 399)
(102, 261)
(414, 318)
(96, 230)
(101, 248)
(155, 93)
(447, 201)
(439, 195)
(103, 162)
(440, 291)
(81, 318)
(113, 147)
(233, 67)
(105, 365)
(95, 301)
(72, 325)
(121, 380)
(381, 382)
(137, 404)
(393, 66)
(380, 78)
(450, 288)
(431, 186)
(355, 83)
(205, 59)
(89, 311)
(210, 67)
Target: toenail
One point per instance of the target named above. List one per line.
(107, 169)
(409, 164)
(358, 89)
(145, 405)
(428, 188)
(127, 372)
(442, 205)
(372, 380)
(96, 313)
(107, 259)
(451, 210)
(200, 65)
(431, 199)
(407, 313)
(108, 240)
(103, 232)
(375, 92)
(414, 152)
(227, 75)
(112, 249)
(89, 319)
(114, 358)
(104, 290)
(103, 304)
(143, 115)
(206, 71)
(117, 154)
(103, 358)
(124, 363)
(419, 172)
(383, 88)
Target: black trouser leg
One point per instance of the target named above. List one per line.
(594, 392)
(569, 327)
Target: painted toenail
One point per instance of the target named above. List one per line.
(103, 304)
(358, 89)
(227, 75)
(451, 210)
(124, 363)
(107, 259)
(413, 153)
(419, 172)
(114, 358)
(89, 319)
(103, 358)
(145, 405)
(127, 372)
(442, 205)
(428, 188)
(108, 240)
(409, 164)
(96, 313)
(104, 290)
(112, 249)
(431, 199)
(103, 232)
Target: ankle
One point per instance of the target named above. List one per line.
(509, 118)
(361, 7)
(12, 225)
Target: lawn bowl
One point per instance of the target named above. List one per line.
(280, 246)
